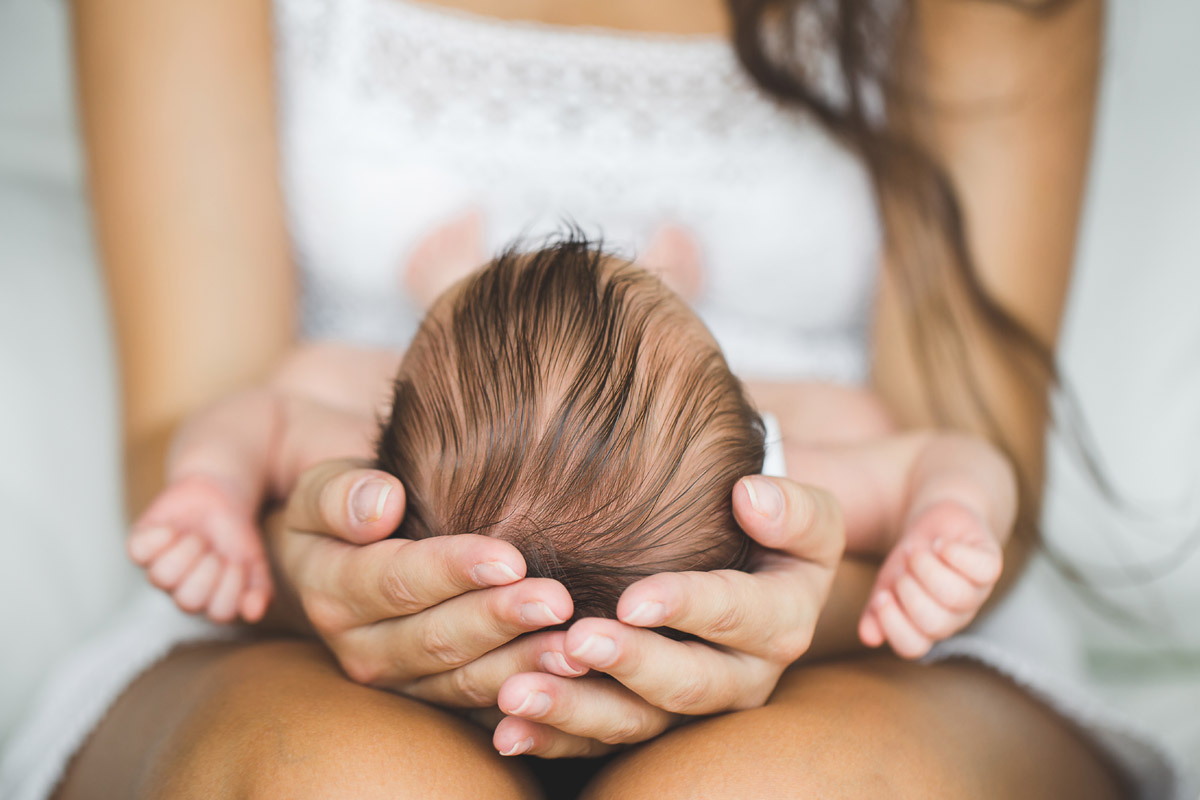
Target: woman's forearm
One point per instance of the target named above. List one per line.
(177, 118)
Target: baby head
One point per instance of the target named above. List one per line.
(567, 402)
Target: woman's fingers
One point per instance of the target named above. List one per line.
(591, 708)
(802, 521)
(515, 737)
(477, 683)
(455, 632)
(341, 499)
(753, 624)
(772, 611)
(395, 610)
(351, 586)
(194, 591)
(680, 677)
(769, 613)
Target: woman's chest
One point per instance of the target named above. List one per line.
(417, 142)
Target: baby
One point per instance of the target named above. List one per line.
(570, 403)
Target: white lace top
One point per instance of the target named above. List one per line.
(410, 129)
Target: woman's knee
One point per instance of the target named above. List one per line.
(876, 729)
(278, 720)
(843, 746)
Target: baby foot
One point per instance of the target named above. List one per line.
(445, 256)
(198, 542)
(934, 581)
(674, 255)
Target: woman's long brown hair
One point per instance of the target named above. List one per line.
(930, 262)
(872, 111)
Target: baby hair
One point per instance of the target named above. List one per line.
(564, 400)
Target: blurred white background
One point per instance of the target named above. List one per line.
(1132, 344)
(62, 570)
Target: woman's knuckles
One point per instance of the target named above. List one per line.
(785, 648)
(443, 646)
(472, 688)
(627, 729)
(326, 614)
(691, 695)
(727, 620)
(396, 588)
(361, 669)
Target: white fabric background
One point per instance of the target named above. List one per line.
(62, 571)
(1132, 344)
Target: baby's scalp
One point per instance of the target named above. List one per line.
(566, 401)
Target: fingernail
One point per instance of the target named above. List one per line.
(765, 496)
(647, 613)
(539, 614)
(535, 704)
(520, 747)
(556, 664)
(494, 573)
(597, 650)
(369, 498)
(144, 543)
(938, 545)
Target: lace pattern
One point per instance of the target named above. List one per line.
(398, 116)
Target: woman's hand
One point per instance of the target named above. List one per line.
(754, 625)
(395, 612)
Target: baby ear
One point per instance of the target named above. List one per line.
(674, 255)
(446, 255)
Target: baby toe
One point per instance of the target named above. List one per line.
(145, 544)
(926, 614)
(951, 589)
(197, 586)
(869, 630)
(253, 604)
(902, 635)
(981, 565)
(176, 561)
(226, 597)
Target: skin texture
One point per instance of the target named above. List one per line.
(154, 97)
(205, 723)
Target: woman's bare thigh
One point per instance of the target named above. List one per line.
(278, 719)
(877, 727)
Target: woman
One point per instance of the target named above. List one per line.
(183, 132)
